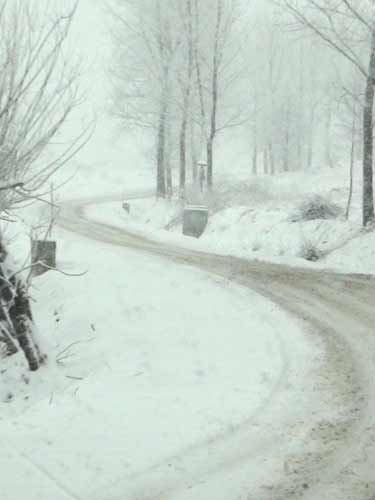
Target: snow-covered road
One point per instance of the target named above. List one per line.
(313, 438)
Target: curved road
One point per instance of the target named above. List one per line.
(335, 458)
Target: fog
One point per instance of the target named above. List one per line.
(187, 250)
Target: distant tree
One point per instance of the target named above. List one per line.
(216, 70)
(348, 27)
(172, 71)
(285, 94)
(186, 84)
(350, 108)
(146, 43)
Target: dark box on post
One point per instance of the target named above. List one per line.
(43, 256)
(195, 220)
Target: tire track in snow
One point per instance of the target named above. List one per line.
(21, 457)
(333, 468)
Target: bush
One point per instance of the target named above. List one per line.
(316, 208)
(310, 252)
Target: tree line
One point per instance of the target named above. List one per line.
(174, 75)
(189, 72)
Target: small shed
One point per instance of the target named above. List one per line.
(195, 220)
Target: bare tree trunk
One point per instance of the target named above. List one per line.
(194, 156)
(215, 95)
(168, 164)
(183, 134)
(301, 91)
(23, 323)
(368, 145)
(161, 190)
(286, 151)
(327, 145)
(311, 131)
(255, 159)
(8, 338)
(255, 149)
(186, 98)
(299, 153)
(352, 156)
(265, 161)
(255, 135)
(271, 159)
(7, 332)
(160, 180)
(200, 85)
(310, 150)
(210, 161)
(169, 180)
(16, 317)
(7, 294)
(286, 165)
(210, 147)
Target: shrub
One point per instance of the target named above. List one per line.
(316, 208)
(310, 252)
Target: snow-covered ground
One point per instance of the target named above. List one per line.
(257, 220)
(145, 360)
(158, 370)
(149, 359)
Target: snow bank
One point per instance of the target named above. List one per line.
(357, 256)
(257, 221)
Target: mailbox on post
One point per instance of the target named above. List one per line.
(195, 220)
(43, 256)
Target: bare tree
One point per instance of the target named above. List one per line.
(166, 49)
(274, 64)
(172, 70)
(214, 56)
(186, 83)
(255, 131)
(38, 93)
(285, 109)
(350, 107)
(146, 43)
(348, 28)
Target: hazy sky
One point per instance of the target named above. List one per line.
(93, 42)
(90, 38)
